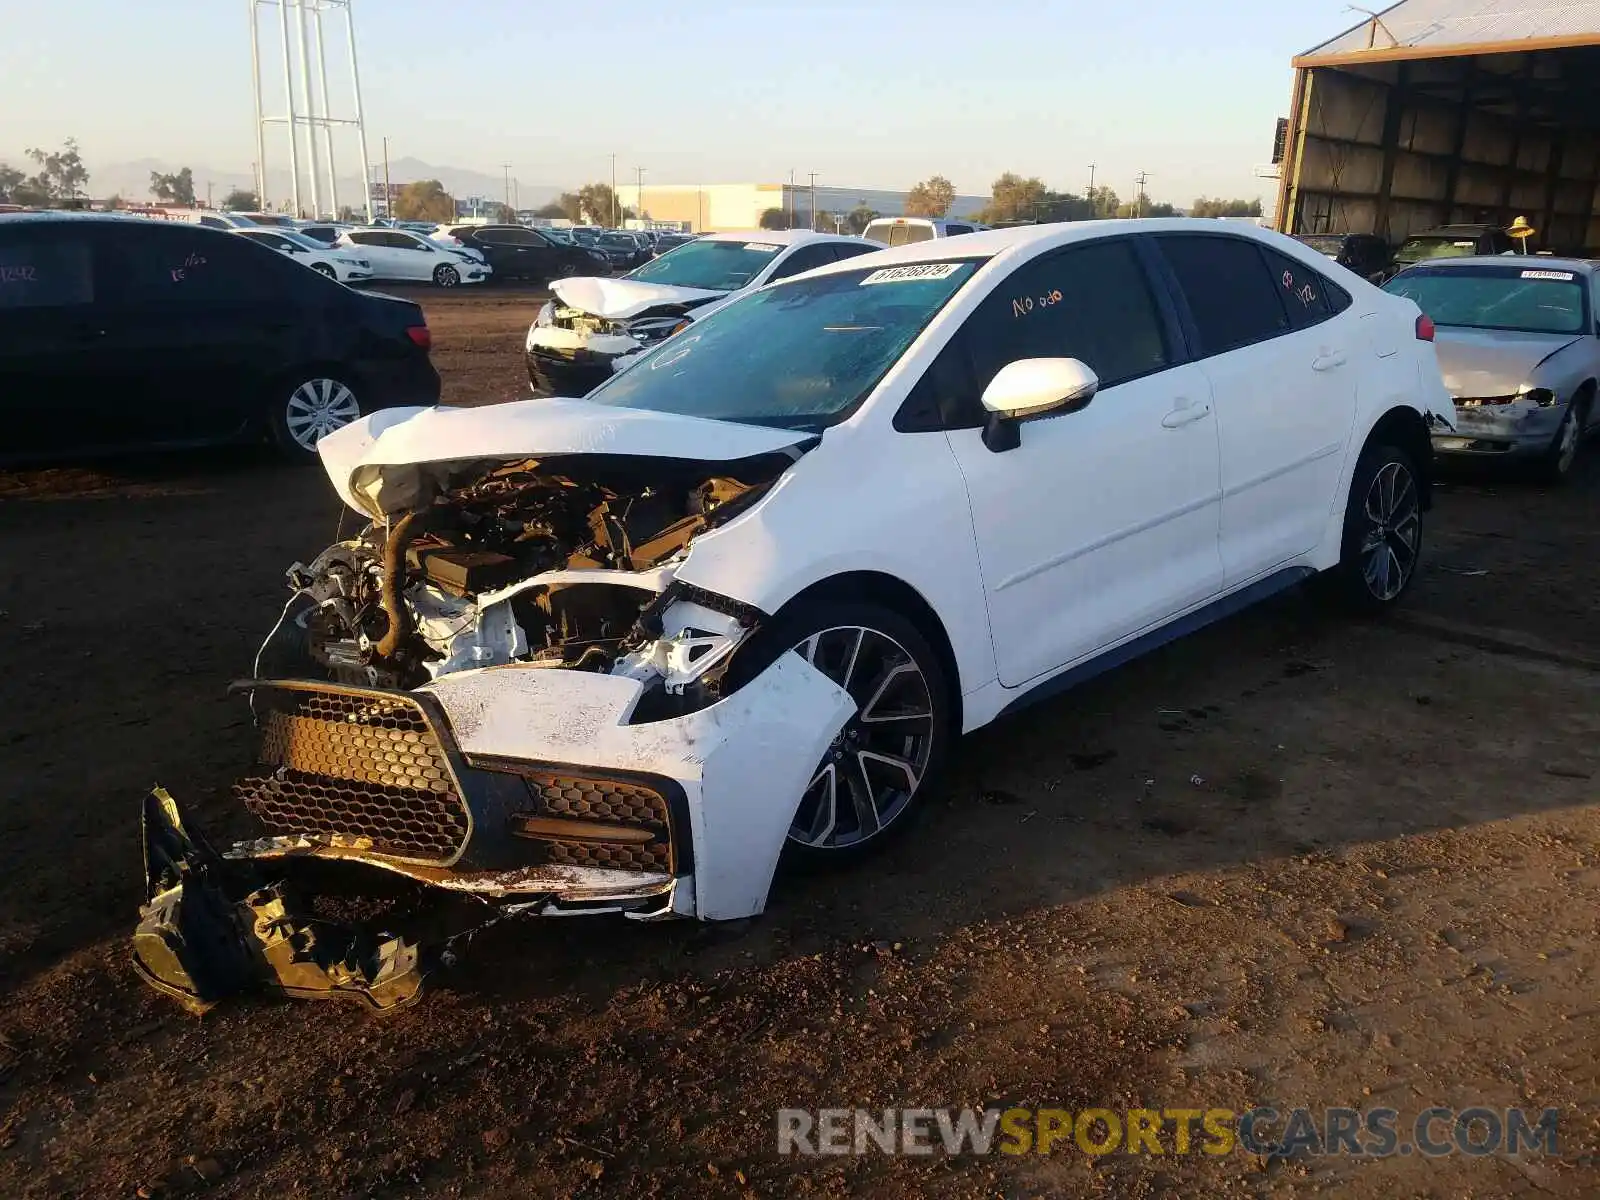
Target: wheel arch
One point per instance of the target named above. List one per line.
(276, 389)
(1403, 428)
(899, 596)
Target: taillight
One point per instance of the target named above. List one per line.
(421, 335)
(1424, 327)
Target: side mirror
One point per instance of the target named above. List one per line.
(1030, 388)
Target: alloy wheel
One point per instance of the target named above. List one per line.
(870, 773)
(316, 408)
(447, 277)
(1394, 515)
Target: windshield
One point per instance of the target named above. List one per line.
(714, 266)
(301, 240)
(1419, 249)
(800, 355)
(1527, 301)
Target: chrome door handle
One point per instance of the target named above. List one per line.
(1328, 360)
(1187, 415)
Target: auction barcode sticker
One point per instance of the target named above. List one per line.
(1563, 276)
(918, 271)
(762, 247)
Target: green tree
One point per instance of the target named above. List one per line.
(598, 204)
(552, 211)
(859, 217)
(571, 207)
(773, 218)
(113, 202)
(930, 198)
(1103, 203)
(10, 180)
(1014, 198)
(240, 200)
(177, 188)
(61, 173)
(1204, 207)
(425, 200)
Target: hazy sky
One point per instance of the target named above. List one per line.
(869, 93)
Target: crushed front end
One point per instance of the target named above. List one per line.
(501, 689)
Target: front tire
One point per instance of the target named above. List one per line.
(1558, 461)
(302, 413)
(325, 271)
(446, 276)
(871, 780)
(1382, 542)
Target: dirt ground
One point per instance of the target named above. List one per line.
(1293, 861)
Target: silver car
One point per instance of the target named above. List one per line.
(1517, 345)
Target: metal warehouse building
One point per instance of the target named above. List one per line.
(1442, 111)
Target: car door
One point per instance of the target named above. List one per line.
(202, 321)
(1102, 522)
(377, 251)
(414, 258)
(1282, 366)
(60, 386)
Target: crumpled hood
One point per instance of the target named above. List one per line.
(1493, 362)
(618, 299)
(398, 459)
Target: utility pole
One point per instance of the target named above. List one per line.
(208, 193)
(1093, 208)
(791, 197)
(388, 188)
(813, 175)
(638, 193)
(506, 167)
(616, 202)
(1138, 204)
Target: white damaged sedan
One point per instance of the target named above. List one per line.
(617, 654)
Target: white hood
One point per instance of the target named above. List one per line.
(397, 459)
(618, 299)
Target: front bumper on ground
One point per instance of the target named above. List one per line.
(1519, 430)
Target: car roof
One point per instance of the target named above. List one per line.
(776, 237)
(1528, 262)
(1021, 240)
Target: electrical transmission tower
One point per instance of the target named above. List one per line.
(289, 55)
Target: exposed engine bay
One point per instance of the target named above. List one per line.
(517, 563)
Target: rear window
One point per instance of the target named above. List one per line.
(46, 274)
(1420, 249)
(898, 233)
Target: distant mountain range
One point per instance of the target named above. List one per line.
(131, 181)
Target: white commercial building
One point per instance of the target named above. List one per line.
(708, 208)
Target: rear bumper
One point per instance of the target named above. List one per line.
(529, 784)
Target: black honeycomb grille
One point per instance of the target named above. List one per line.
(358, 765)
(609, 800)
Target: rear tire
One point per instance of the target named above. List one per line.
(871, 781)
(306, 408)
(1382, 543)
(446, 276)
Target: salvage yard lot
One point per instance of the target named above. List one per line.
(1293, 860)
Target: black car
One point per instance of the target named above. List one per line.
(623, 249)
(517, 252)
(1454, 241)
(1367, 254)
(119, 333)
(671, 241)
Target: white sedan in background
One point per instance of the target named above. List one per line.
(396, 254)
(341, 264)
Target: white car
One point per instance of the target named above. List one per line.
(397, 254)
(596, 325)
(902, 231)
(343, 265)
(616, 654)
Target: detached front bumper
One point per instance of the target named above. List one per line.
(530, 784)
(564, 362)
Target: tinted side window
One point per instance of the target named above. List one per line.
(1305, 293)
(956, 230)
(804, 259)
(844, 250)
(399, 241)
(1091, 303)
(363, 238)
(1231, 295)
(172, 266)
(46, 272)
